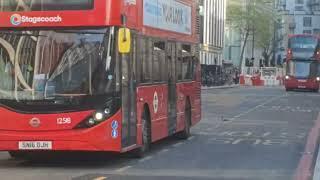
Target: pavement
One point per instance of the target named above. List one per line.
(220, 87)
(246, 133)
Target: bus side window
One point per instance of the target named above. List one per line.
(134, 58)
(179, 63)
(170, 65)
(146, 60)
(156, 65)
(137, 53)
(158, 61)
(164, 68)
(187, 62)
(195, 62)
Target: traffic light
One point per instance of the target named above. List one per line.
(249, 62)
(261, 63)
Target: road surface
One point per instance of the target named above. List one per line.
(245, 134)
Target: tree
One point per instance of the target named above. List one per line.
(253, 17)
(265, 36)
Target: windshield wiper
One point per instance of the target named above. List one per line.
(55, 101)
(77, 32)
(21, 34)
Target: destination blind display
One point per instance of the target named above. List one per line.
(45, 5)
(168, 15)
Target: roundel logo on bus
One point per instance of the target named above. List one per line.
(35, 122)
(155, 102)
(16, 19)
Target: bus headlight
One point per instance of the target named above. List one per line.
(107, 111)
(318, 78)
(90, 122)
(93, 120)
(287, 77)
(98, 117)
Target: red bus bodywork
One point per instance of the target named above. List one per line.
(292, 82)
(104, 13)
(17, 126)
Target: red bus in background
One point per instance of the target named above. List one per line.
(97, 75)
(303, 57)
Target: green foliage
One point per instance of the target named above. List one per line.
(247, 15)
(253, 16)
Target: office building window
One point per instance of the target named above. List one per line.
(307, 21)
(307, 32)
(299, 1)
(316, 31)
(299, 8)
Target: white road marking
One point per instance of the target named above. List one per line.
(258, 141)
(123, 169)
(145, 159)
(191, 138)
(178, 144)
(164, 151)
(217, 173)
(266, 134)
(100, 178)
(237, 141)
(258, 122)
(258, 106)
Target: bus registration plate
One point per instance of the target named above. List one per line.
(35, 145)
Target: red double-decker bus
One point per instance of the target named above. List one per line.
(97, 75)
(303, 57)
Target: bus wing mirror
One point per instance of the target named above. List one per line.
(124, 40)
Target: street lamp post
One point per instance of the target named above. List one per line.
(253, 31)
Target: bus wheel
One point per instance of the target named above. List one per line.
(18, 154)
(185, 134)
(146, 137)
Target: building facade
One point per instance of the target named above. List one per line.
(213, 15)
(297, 17)
(234, 41)
(232, 45)
(212, 26)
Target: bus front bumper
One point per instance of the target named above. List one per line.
(98, 138)
(301, 84)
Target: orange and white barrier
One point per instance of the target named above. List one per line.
(270, 76)
(270, 81)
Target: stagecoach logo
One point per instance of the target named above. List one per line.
(155, 102)
(35, 122)
(17, 19)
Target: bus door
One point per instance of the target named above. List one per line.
(128, 64)
(172, 96)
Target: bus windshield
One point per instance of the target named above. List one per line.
(303, 69)
(50, 65)
(45, 5)
(303, 43)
